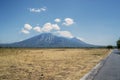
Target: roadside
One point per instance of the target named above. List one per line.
(93, 73)
(111, 69)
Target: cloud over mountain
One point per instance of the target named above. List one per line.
(55, 27)
(47, 27)
(25, 31)
(51, 28)
(57, 20)
(27, 27)
(37, 28)
(68, 21)
(64, 34)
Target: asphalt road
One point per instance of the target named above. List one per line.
(111, 68)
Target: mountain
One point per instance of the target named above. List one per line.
(48, 40)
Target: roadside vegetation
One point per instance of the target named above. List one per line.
(48, 64)
(118, 44)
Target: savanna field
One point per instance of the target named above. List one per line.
(48, 64)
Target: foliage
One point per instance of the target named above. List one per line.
(109, 47)
(118, 44)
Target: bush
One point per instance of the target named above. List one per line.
(110, 47)
(118, 44)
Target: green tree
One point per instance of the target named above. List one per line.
(118, 44)
(109, 47)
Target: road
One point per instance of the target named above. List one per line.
(111, 68)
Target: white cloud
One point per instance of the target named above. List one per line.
(43, 9)
(34, 10)
(57, 20)
(37, 28)
(27, 27)
(25, 31)
(68, 22)
(64, 34)
(82, 39)
(48, 27)
(55, 27)
(38, 10)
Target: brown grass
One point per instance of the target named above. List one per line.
(48, 64)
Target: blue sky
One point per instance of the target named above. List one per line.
(93, 21)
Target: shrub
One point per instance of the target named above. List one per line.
(118, 44)
(109, 46)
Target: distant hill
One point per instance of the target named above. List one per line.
(46, 40)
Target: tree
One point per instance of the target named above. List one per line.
(118, 44)
(109, 46)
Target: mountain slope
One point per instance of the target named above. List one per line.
(49, 40)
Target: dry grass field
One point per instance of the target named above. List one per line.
(48, 64)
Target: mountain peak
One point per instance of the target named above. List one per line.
(46, 34)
